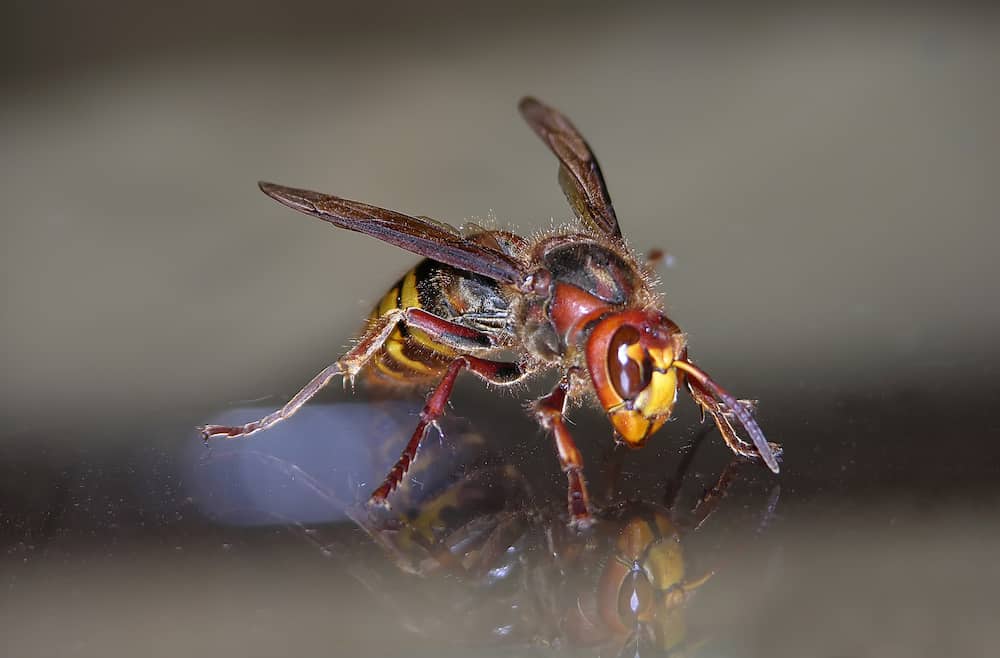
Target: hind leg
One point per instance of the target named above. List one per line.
(441, 330)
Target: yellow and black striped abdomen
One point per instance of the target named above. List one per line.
(409, 355)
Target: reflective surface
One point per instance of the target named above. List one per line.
(823, 181)
(243, 548)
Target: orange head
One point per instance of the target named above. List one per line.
(631, 358)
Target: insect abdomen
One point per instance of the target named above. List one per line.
(410, 355)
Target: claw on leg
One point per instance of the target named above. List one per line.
(723, 408)
(308, 391)
(348, 365)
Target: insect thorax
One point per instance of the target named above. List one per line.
(582, 276)
(594, 268)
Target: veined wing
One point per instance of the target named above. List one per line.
(579, 174)
(421, 236)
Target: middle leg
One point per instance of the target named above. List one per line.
(495, 372)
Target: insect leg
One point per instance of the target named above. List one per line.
(456, 336)
(347, 365)
(725, 425)
(549, 413)
(448, 333)
(497, 372)
(719, 404)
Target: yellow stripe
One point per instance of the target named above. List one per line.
(388, 301)
(409, 298)
(422, 339)
(401, 296)
(380, 364)
(386, 368)
(395, 350)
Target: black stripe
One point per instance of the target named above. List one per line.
(429, 292)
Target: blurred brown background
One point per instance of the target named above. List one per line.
(825, 179)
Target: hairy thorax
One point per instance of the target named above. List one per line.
(579, 282)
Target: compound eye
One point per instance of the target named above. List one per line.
(629, 366)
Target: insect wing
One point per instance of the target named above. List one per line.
(421, 236)
(579, 175)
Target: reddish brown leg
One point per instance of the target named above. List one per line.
(497, 372)
(723, 421)
(456, 336)
(445, 332)
(718, 403)
(549, 412)
(349, 364)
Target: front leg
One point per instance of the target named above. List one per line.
(549, 413)
(722, 406)
(722, 415)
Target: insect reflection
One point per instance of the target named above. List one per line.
(516, 575)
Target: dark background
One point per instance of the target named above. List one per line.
(824, 179)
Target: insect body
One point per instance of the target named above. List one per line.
(410, 354)
(577, 301)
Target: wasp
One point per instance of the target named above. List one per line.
(575, 300)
